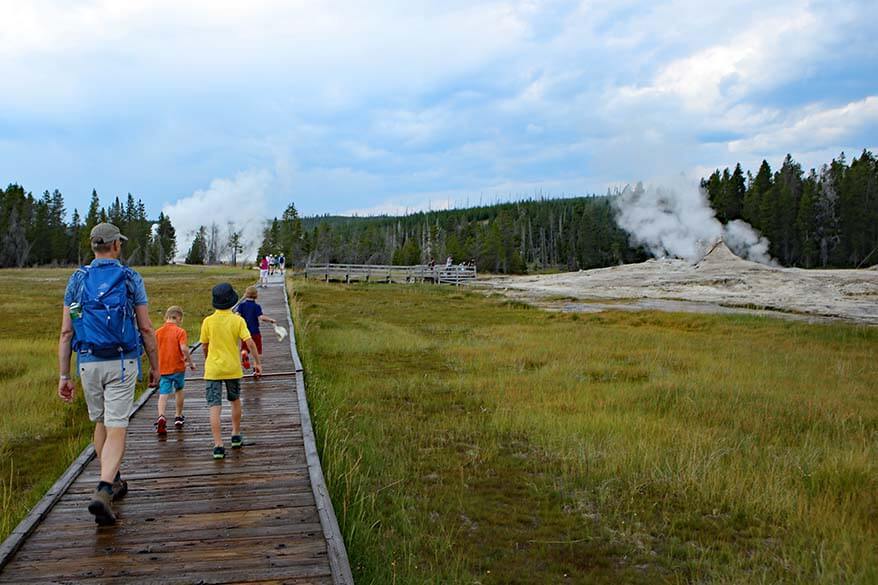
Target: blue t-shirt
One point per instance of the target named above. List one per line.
(135, 289)
(250, 310)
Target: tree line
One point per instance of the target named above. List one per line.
(35, 231)
(826, 218)
(211, 244)
(568, 233)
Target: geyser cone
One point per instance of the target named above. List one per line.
(718, 252)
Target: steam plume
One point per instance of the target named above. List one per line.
(241, 200)
(678, 221)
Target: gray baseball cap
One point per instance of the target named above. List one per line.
(106, 233)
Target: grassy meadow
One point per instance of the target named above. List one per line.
(39, 434)
(468, 439)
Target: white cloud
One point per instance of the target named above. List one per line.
(387, 104)
(363, 151)
(813, 128)
(241, 200)
(401, 206)
(765, 55)
(341, 52)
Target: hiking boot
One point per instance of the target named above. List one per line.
(120, 488)
(245, 359)
(219, 452)
(101, 508)
(237, 442)
(161, 426)
(178, 422)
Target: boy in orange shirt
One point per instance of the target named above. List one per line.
(173, 356)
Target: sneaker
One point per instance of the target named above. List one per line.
(219, 452)
(237, 442)
(245, 359)
(161, 426)
(120, 488)
(178, 422)
(101, 509)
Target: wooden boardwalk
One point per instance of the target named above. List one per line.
(440, 274)
(262, 515)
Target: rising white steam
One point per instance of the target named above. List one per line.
(746, 242)
(678, 221)
(241, 200)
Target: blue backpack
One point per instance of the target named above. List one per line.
(104, 324)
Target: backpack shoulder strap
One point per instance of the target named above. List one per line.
(130, 286)
(129, 280)
(78, 283)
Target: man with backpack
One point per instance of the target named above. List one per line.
(106, 322)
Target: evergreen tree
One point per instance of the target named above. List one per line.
(806, 222)
(197, 251)
(757, 190)
(856, 210)
(713, 187)
(288, 235)
(39, 232)
(735, 191)
(16, 210)
(74, 240)
(165, 240)
(57, 228)
(271, 239)
(116, 215)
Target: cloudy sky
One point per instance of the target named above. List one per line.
(222, 109)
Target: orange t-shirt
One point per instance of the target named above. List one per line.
(170, 337)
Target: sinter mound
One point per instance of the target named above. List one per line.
(719, 252)
(720, 278)
(719, 256)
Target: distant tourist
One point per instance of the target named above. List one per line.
(251, 311)
(106, 322)
(449, 262)
(282, 264)
(221, 333)
(174, 356)
(263, 271)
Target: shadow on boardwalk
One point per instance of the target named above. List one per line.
(252, 517)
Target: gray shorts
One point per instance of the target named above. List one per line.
(108, 394)
(215, 391)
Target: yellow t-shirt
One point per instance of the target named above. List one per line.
(224, 330)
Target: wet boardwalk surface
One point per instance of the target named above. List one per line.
(251, 518)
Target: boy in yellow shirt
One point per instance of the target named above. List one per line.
(221, 334)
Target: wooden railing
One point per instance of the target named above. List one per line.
(458, 274)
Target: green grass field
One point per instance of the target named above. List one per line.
(39, 434)
(471, 440)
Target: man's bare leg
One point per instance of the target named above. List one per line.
(111, 453)
(100, 435)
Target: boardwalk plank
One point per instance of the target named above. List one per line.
(251, 518)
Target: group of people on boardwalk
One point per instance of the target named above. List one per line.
(270, 265)
(106, 323)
